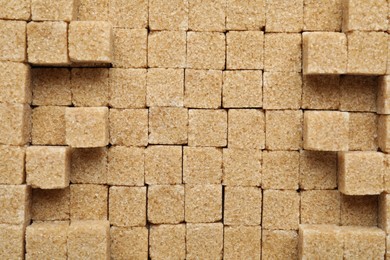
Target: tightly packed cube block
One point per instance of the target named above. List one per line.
(279, 244)
(361, 173)
(242, 167)
(128, 127)
(127, 206)
(367, 53)
(280, 209)
(50, 205)
(321, 92)
(168, 125)
(12, 241)
(242, 88)
(48, 125)
(165, 87)
(242, 206)
(12, 161)
(90, 41)
(88, 202)
(245, 50)
(47, 43)
(242, 242)
(363, 132)
(86, 127)
(207, 15)
(167, 241)
(90, 10)
(15, 201)
(130, 48)
(245, 15)
(383, 96)
(206, 50)
(284, 16)
(359, 210)
(47, 240)
(384, 133)
(322, 15)
(204, 241)
(128, 14)
(167, 49)
(202, 165)
(358, 93)
(89, 165)
(89, 239)
(46, 10)
(14, 48)
(126, 166)
(203, 88)
(324, 53)
(203, 203)
(207, 127)
(166, 204)
(15, 86)
(20, 11)
(129, 243)
(168, 15)
(325, 130)
(15, 123)
(320, 207)
(384, 212)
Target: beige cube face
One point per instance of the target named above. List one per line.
(89, 165)
(12, 164)
(280, 244)
(130, 48)
(360, 210)
(322, 15)
(321, 92)
(50, 205)
(207, 15)
(129, 243)
(16, 202)
(242, 242)
(10, 11)
(284, 16)
(384, 133)
(16, 124)
(48, 125)
(204, 241)
(245, 15)
(12, 243)
(16, 84)
(129, 14)
(46, 10)
(167, 241)
(14, 46)
(169, 15)
(383, 97)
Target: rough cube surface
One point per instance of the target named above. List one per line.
(21, 11)
(279, 244)
(45, 10)
(245, 50)
(129, 14)
(358, 93)
(365, 15)
(207, 15)
(321, 92)
(284, 16)
(48, 125)
(130, 48)
(322, 15)
(88, 202)
(50, 205)
(14, 48)
(129, 243)
(168, 15)
(245, 15)
(320, 207)
(15, 200)
(12, 161)
(384, 133)
(363, 132)
(167, 241)
(15, 123)
(383, 97)
(89, 165)
(12, 241)
(204, 241)
(360, 210)
(15, 86)
(242, 242)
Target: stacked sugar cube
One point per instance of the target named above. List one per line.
(174, 129)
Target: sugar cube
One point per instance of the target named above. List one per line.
(88, 202)
(12, 161)
(50, 205)
(204, 241)
(14, 47)
(15, 85)
(48, 125)
(15, 201)
(167, 241)
(129, 243)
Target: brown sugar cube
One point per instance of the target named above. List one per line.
(203, 88)
(129, 243)
(167, 49)
(242, 88)
(202, 165)
(279, 244)
(89, 240)
(49, 205)
(361, 173)
(245, 15)
(317, 170)
(165, 87)
(203, 203)
(12, 241)
(282, 90)
(15, 84)
(168, 15)
(15, 124)
(367, 53)
(387, 173)
(242, 206)
(358, 93)
(384, 133)
(204, 241)
(280, 170)
(86, 127)
(321, 92)
(128, 14)
(207, 127)
(88, 202)
(51, 87)
(48, 167)
(246, 129)
(206, 50)
(89, 165)
(283, 130)
(12, 160)
(128, 127)
(320, 207)
(90, 41)
(47, 240)
(127, 206)
(241, 167)
(359, 210)
(89, 87)
(324, 53)
(384, 212)
(242, 242)
(126, 166)
(245, 50)
(167, 242)
(14, 48)
(383, 95)
(127, 88)
(281, 209)
(283, 52)
(207, 15)
(130, 48)
(322, 15)
(284, 16)
(166, 204)
(325, 130)
(363, 131)
(15, 201)
(387, 255)
(168, 125)
(10, 10)
(47, 43)
(163, 164)
(46, 10)
(325, 241)
(91, 10)
(48, 125)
